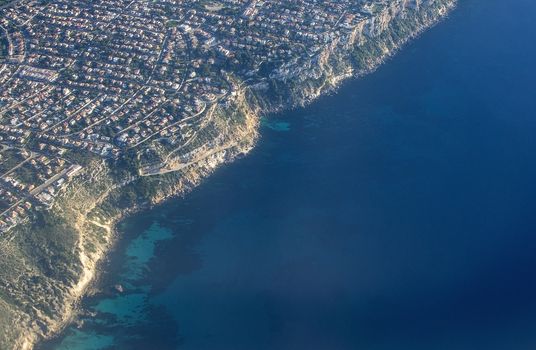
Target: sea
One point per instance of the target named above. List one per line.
(397, 213)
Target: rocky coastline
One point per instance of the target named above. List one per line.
(49, 265)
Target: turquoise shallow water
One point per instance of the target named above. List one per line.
(275, 124)
(396, 214)
(85, 341)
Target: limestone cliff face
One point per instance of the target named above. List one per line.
(46, 268)
(364, 46)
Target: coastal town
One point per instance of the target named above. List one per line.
(102, 78)
(110, 107)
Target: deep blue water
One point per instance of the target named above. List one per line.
(397, 214)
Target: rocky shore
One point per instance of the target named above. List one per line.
(48, 265)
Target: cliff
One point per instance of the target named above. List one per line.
(47, 265)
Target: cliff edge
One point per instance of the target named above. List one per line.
(48, 263)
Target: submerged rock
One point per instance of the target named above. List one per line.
(119, 288)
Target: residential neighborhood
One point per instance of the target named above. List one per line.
(105, 77)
